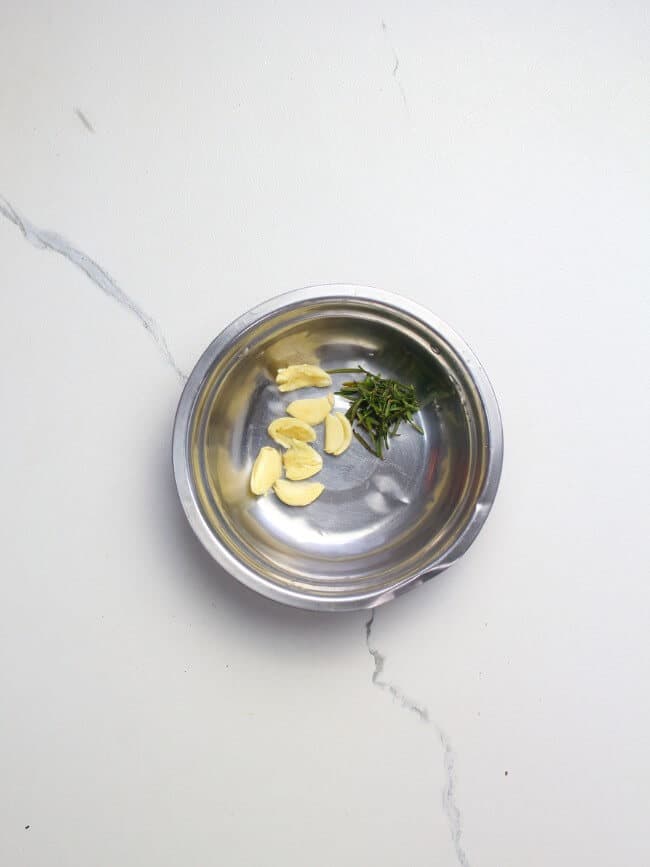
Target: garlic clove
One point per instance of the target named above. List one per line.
(334, 434)
(284, 430)
(301, 461)
(267, 469)
(311, 410)
(347, 433)
(298, 493)
(302, 376)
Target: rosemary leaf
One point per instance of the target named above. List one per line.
(377, 407)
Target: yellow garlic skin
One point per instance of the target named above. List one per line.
(313, 410)
(302, 376)
(267, 469)
(298, 493)
(286, 429)
(301, 462)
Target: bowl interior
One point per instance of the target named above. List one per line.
(377, 522)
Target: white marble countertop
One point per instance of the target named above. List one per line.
(170, 165)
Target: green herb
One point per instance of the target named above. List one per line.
(378, 406)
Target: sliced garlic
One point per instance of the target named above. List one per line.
(284, 430)
(312, 409)
(301, 461)
(347, 433)
(267, 469)
(334, 434)
(298, 493)
(302, 376)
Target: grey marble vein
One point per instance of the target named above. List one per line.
(449, 792)
(398, 81)
(47, 240)
(82, 117)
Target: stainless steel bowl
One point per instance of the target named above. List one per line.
(380, 527)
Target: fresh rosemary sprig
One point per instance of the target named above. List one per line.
(378, 406)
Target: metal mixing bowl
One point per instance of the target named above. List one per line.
(380, 527)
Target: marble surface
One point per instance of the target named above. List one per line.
(165, 166)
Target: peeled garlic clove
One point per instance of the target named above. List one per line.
(301, 461)
(347, 432)
(312, 410)
(298, 493)
(284, 430)
(267, 469)
(334, 434)
(302, 376)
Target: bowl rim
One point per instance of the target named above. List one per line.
(192, 389)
